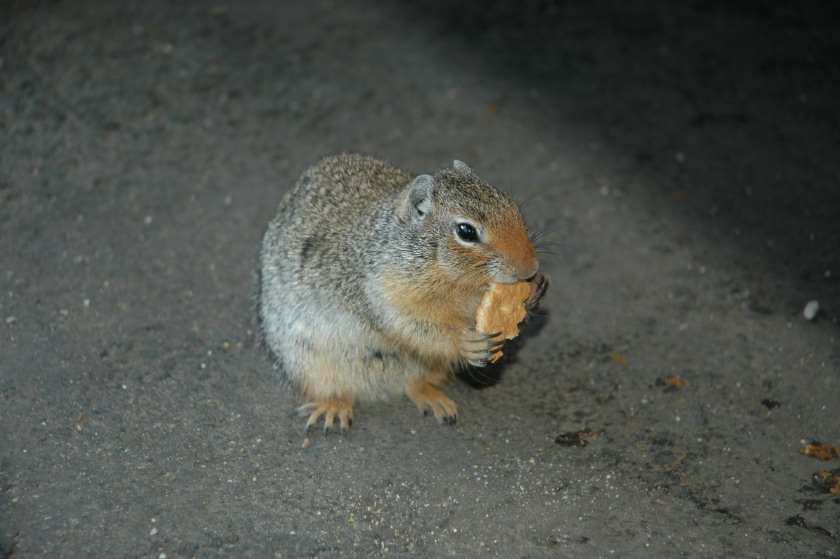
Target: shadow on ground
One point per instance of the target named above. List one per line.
(723, 115)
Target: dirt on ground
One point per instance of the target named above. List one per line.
(681, 160)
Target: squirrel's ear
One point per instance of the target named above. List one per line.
(461, 166)
(417, 198)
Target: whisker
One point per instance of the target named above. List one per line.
(472, 371)
(553, 256)
(524, 203)
(534, 235)
(555, 247)
(538, 235)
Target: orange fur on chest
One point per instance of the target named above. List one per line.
(438, 303)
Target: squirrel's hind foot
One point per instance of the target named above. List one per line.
(330, 408)
(429, 397)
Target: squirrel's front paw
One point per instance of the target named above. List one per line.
(477, 348)
(539, 285)
(330, 408)
(427, 396)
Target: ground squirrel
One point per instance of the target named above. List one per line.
(369, 282)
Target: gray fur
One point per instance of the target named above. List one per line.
(420, 200)
(459, 165)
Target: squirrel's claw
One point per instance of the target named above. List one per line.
(330, 408)
(477, 348)
(539, 285)
(482, 337)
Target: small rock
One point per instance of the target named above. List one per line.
(811, 310)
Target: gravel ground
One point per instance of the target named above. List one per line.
(682, 159)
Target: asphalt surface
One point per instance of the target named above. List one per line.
(681, 158)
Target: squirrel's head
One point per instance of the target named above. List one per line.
(477, 233)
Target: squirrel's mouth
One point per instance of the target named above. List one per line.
(501, 278)
(504, 273)
(499, 273)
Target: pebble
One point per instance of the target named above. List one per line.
(811, 310)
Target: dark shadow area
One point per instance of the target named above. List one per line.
(490, 375)
(726, 114)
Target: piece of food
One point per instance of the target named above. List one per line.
(818, 450)
(576, 438)
(827, 481)
(501, 310)
(673, 383)
(619, 359)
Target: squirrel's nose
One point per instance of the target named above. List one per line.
(526, 265)
(528, 272)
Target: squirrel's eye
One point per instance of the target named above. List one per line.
(467, 232)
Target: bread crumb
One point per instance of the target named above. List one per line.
(501, 310)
